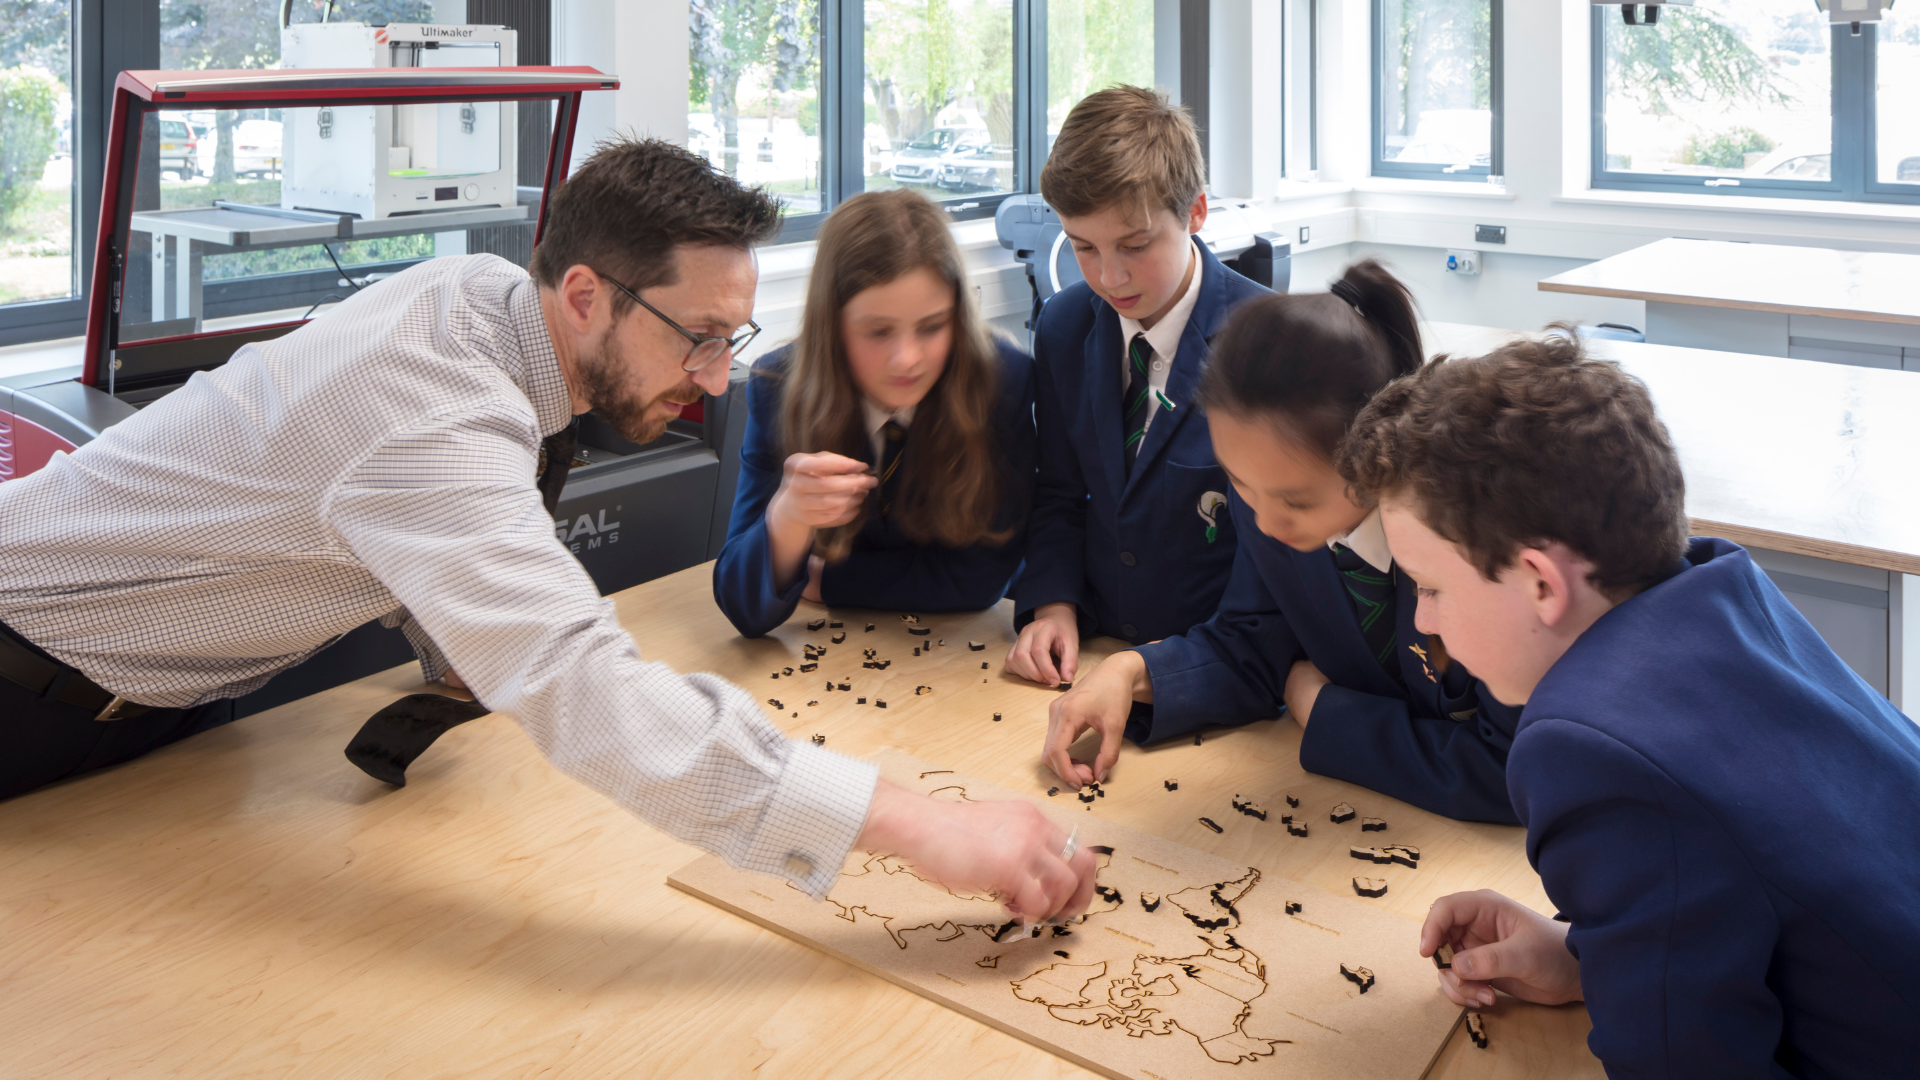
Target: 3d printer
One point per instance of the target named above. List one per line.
(189, 268)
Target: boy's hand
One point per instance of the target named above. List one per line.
(821, 491)
(1304, 683)
(1006, 849)
(1101, 702)
(1500, 945)
(1048, 649)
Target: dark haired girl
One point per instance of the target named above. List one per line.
(1316, 616)
(889, 452)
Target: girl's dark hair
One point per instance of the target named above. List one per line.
(1310, 362)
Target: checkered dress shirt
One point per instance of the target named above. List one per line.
(379, 463)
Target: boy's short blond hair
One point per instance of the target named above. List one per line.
(1125, 144)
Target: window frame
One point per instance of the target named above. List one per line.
(843, 64)
(1495, 170)
(1853, 161)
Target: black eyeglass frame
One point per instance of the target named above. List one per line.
(729, 346)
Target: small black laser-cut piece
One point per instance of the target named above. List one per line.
(1358, 976)
(1477, 1030)
(1249, 808)
(1342, 813)
(839, 637)
(811, 704)
(808, 667)
(1085, 796)
(835, 624)
(881, 704)
(1293, 802)
(786, 671)
(1286, 819)
(999, 936)
(846, 686)
(1109, 894)
(1172, 785)
(394, 737)
(1293, 907)
(1062, 954)
(983, 667)
(1211, 824)
(881, 665)
(910, 620)
(819, 740)
(976, 646)
(776, 674)
(1370, 886)
(796, 714)
(1149, 901)
(916, 652)
(943, 641)
(1297, 828)
(1196, 740)
(922, 691)
(919, 631)
(1443, 956)
(1100, 849)
(860, 701)
(1061, 931)
(869, 628)
(1373, 824)
(775, 702)
(815, 624)
(996, 718)
(1052, 791)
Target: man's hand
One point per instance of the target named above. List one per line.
(1048, 649)
(821, 491)
(1303, 689)
(1500, 945)
(1006, 849)
(1102, 702)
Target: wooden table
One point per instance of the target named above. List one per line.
(1810, 466)
(1845, 307)
(248, 903)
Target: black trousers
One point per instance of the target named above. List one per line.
(42, 741)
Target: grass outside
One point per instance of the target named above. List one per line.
(36, 248)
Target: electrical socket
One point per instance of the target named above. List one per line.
(1463, 262)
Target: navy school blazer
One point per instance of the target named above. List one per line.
(1135, 553)
(1725, 813)
(1439, 742)
(885, 570)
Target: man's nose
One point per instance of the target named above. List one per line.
(713, 377)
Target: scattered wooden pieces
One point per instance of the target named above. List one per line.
(815, 624)
(916, 650)
(1388, 853)
(1358, 976)
(870, 630)
(1370, 886)
(922, 691)
(1211, 824)
(839, 637)
(811, 704)
(786, 671)
(860, 701)
(819, 740)
(1293, 802)
(976, 646)
(910, 620)
(983, 667)
(943, 641)
(996, 718)
(1249, 808)
(1373, 824)
(1477, 1030)
(1443, 956)
(1172, 785)
(1062, 954)
(1052, 791)
(1084, 795)
(835, 624)
(919, 631)
(1342, 813)
(808, 667)
(775, 702)
(1149, 901)
(1064, 686)
(879, 704)
(1293, 907)
(846, 686)
(1296, 828)
(1108, 893)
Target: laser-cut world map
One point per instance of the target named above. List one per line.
(1217, 980)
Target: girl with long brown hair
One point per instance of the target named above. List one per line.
(889, 451)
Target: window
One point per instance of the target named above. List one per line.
(1436, 89)
(1757, 97)
(36, 153)
(822, 99)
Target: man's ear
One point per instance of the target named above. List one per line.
(1548, 582)
(580, 291)
(1197, 213)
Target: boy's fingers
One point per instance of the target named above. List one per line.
(1069, 658)
(1109, 752)
(1485, 963)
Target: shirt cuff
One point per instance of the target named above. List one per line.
(813, 818)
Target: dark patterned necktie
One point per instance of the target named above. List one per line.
(895, 443)
(1137, 404)
(1372, 595)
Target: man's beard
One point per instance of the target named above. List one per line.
(605, 372)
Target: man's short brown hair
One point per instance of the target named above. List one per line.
(633, 202)
(1532, 443)
(1124, 145)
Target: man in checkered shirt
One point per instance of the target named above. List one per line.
(380, 462)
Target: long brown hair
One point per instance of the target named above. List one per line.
(949, 470)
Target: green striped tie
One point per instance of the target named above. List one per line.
(1372, 595)
(1137, 405)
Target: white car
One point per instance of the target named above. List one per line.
(256, 148)
(919, 162)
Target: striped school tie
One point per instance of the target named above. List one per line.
(895, 438)
(1372, 595)
(1137, 404)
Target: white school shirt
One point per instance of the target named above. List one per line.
(877, 418)
(1369, 541)
(379, 461)
(1165, 339)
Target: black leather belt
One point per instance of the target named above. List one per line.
(54, 681)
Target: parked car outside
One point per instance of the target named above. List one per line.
(973, 167)
(256, 149)
(179, 149)
(918, 163)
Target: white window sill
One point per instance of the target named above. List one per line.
(1457, 189)
(1294, 190)
(1751, 204)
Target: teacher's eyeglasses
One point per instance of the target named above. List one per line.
(704, 349)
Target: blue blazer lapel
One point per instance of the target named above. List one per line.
(1209, 313)
(1102, 393)
(1329, 594)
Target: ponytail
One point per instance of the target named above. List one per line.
(1310, 362)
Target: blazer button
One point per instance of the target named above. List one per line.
(1126, 558)
(1127, 629)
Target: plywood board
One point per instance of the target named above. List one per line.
(1218, 981)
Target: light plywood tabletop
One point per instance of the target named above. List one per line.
(1869, 286)
(247, 903)
(1814, 459)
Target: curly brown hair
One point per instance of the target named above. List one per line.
(1533, 443)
